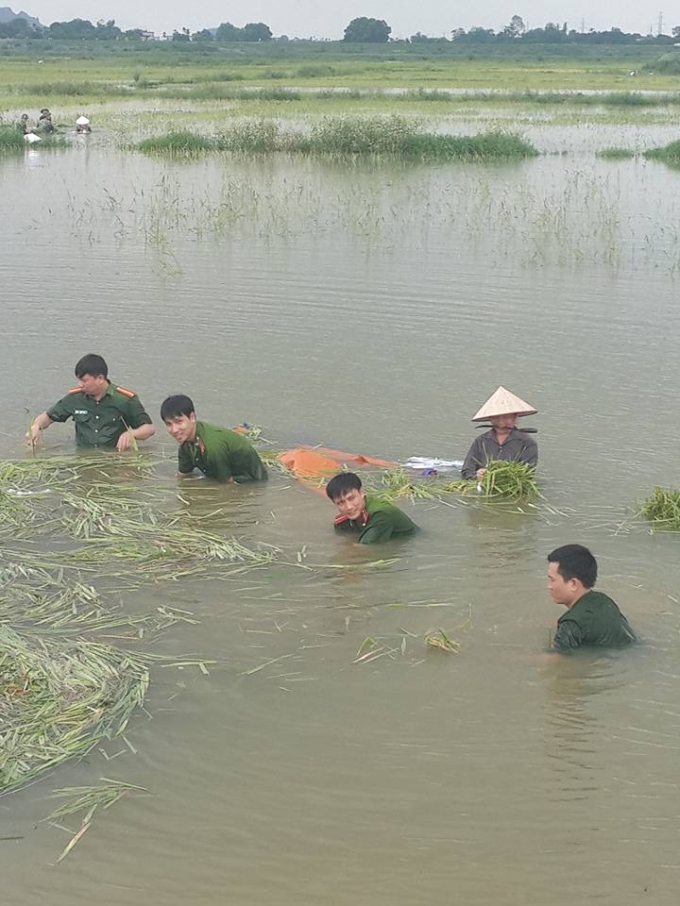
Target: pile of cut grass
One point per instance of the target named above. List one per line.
(62, 692)
(59, 698)
(511, 480)
(662, 509)
(501, 481)
(398, 484)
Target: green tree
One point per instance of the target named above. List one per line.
(107, 31)
(420, 38)
(74, 28)
(17, 28)
(228, 32)
(551, 34)
(367, 31)
(515, 28)
(479, 35)
(203, 35)
(256, 31)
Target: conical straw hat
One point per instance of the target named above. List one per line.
(82, 121)
(503, 402)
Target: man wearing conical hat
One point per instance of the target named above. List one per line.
(504, 441)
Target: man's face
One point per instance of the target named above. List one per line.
(182, 428)
(562, 591)
(504, 423)
(93, 385)
(351, 503)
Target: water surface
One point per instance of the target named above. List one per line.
(373, 309)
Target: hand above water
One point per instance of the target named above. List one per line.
(125, 441)
(39, 423)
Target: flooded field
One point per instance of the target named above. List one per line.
(372, 307)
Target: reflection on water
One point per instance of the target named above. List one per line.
(371, 309)
(578, 722)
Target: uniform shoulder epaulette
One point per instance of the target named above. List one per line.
(126, 392)
(76, 390)
(339, 520)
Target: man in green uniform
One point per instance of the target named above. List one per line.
(370, 519)
(106, 416)
(217, 452)
(592, 618)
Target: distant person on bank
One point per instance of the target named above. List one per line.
(45, 123)
(504, 441)
(106, 416)
(373, 521)
(592, 618)
(219, 453)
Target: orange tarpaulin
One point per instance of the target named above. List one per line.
(314, 464)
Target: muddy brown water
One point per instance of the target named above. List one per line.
(373, 309)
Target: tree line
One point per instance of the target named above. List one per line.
(362, 30)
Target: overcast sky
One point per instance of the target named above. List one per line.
(305, 18)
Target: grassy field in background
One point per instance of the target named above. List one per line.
(152, 89)
(602, 68)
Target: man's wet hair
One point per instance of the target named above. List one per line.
(176, 406)
(575, 562)
(91, 364)
(341, 484)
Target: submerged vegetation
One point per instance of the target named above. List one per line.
(669, 154)
(88, 799)
(615, 154)
(118, 530)
(390, 136)
(662, 509)
(11, 140)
